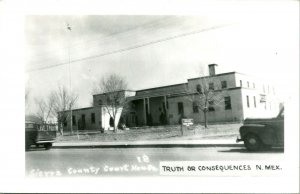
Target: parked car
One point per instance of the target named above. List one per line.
(38, 133)
(263, 133)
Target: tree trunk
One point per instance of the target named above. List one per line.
(60, 129)
(205, 120)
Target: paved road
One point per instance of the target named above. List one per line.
(129, 161)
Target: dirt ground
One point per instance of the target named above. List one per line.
(155, 133)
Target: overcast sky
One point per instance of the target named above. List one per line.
(260, 41)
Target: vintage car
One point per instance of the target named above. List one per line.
(263, 133)
(38, 133)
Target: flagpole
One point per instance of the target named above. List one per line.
(70, 80)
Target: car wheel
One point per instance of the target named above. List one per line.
(252, 142)
(48, 146)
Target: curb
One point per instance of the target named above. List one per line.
(145, 146)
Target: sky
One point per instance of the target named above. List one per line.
(261, 40)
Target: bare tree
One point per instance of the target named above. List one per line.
(113, 97)
(208, 93)
(45, 108)
(63, 102)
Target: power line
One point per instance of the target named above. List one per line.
(153, 22)
(124, 34)
(129, 48)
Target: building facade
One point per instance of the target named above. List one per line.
(234, 97)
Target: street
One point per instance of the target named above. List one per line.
(130, 161)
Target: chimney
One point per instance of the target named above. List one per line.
(212, 70)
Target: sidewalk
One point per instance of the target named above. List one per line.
(152, 143)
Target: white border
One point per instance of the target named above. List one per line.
(12, 111)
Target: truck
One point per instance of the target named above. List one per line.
(38, 133)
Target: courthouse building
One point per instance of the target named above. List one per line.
(241, 96)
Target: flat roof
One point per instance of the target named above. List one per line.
(170, 86)
(77, 109)
(113, 92)
(216, 75)
(161, 87)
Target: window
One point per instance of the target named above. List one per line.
(227, 103)
(195, 107)
(100, 102)
(210, 105)
(93, 117)
(265, 105)
(253, 85)
(74, 120)
(248, 105)
(254, 101)
(180, 108)
(83, 119)
(211, 86)
(224, 84)
(65, 123)
(248, 84)
(241, 83)
(199, 89)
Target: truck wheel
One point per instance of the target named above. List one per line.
(252, 142)
(48, 146)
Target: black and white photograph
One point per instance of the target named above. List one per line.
(143, 99)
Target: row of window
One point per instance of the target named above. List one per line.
(248, 84)
(224, 85)
(93, 119)
(264, 88)
(254, 103)
(211, 103)
(211, 86)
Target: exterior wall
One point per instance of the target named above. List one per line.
(105, 117)
(173, 113)
(161, 91)
(267, 105)
(88, 119)
(217, 79)
(254, 83)
(106, 111)
(218, 115)
(260, 85)
(129, 93)
(102, 119)
(269, 108)
(98, 97)
(156, 107)
(140, 112)
(260, 89)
